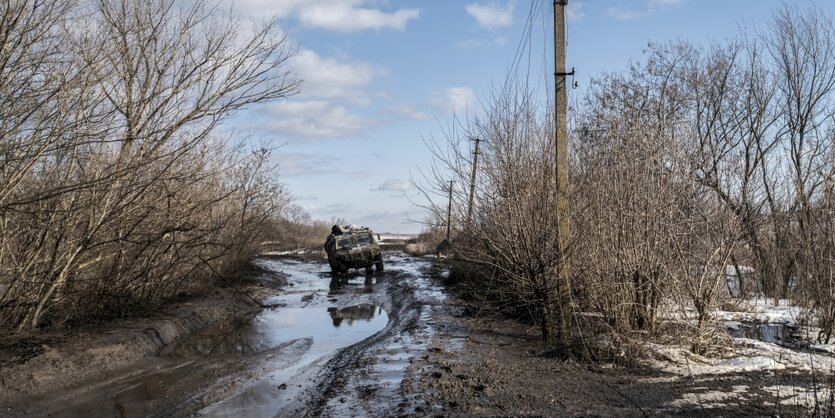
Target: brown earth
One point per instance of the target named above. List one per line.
(34, 367)
(486, 365)
(439, 355)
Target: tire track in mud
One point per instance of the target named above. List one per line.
(229, 368)
(366, 378)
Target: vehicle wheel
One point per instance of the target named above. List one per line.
(343, 267)
(379, 263)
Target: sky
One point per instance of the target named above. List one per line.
(382, 77)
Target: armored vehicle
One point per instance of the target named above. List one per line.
(350, 246)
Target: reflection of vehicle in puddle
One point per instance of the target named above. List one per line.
(337, 282)
(364, 311)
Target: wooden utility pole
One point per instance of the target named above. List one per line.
(449, 212)
(472, 180)
(561, 149)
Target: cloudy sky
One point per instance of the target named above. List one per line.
(381, 76)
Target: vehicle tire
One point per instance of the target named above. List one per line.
(343, 267)
(379, 263)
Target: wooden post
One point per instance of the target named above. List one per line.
(472, 181)
(449, 212)
(561, 149)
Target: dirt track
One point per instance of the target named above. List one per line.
(325, 348)
(389, 345)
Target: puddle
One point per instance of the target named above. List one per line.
(261, 353)
(330, 329)
(781, 334)
(388, 363)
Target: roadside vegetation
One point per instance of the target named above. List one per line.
(296, 230)
(703, 172)
(117, 188)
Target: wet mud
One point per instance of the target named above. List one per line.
(393, 344)
(298, 357)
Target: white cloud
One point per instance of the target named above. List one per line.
(331, 211)
(650, 8)
(665, 3)
(456, 99)
(303, 165)
(390, 221)
(574, 11)
(470, 43)
(314, 119)
(336, 15)
(332, 78)
(306, 197)
(394, 185)
(345, 16)
(620, 13)
(492, 15)
(409, 112)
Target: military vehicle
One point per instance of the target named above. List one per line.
(353, 247)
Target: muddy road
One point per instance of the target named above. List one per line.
(325, 346)
(394, 344)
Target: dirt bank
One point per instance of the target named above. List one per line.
(34, 369)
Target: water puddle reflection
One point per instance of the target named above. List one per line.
(317, 315)
(781, 334)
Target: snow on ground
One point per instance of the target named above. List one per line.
(710, 399)
(826, 348)
(297, 252)
(281, 253)
(802, 396)
(761, 310)
(749, 354)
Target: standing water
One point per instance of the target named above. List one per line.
(249, 368)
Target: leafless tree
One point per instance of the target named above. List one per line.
(506, 253)
(118, 190)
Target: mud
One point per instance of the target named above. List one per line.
(477, 364)
(236, 361)
(394, 344)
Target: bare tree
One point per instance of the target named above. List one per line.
(127, 195)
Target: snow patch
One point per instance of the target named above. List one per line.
(710, 399)
(800, 396)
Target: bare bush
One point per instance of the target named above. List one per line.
(507, 252)
(695, 160)
(118, 191)
(698, 160)
(296, 230)
(655, 241)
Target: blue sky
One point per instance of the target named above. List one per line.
(382, 75)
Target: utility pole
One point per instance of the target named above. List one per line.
(449, 212)
(472, 180)
(561, 150)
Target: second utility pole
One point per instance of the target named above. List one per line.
(472, 180)
(449, 212)
(561, 157)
